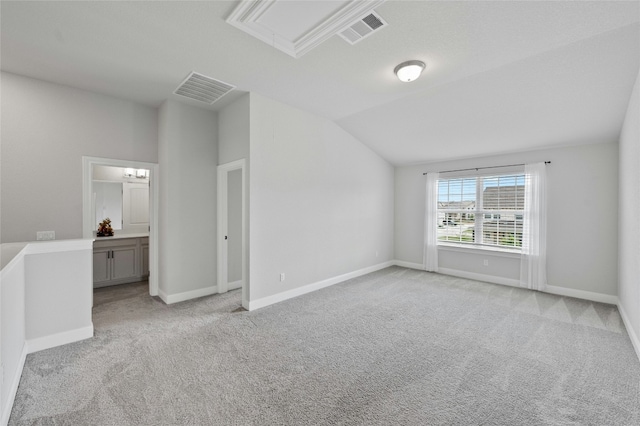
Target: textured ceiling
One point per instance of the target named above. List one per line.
(501, 75)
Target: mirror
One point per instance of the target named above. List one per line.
(122, 195)
(107, 202)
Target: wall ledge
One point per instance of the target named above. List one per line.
(54, 246)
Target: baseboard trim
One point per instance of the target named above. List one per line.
(479, 277)
(187, 295)
(119, 282)
(234, 285)
(309, 288)
(59, 339)
(409, 265)
(581, 294)
(559, 291)
(13, 390)
(635, 339)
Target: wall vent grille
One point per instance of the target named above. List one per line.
(202, 88)
(363, 28)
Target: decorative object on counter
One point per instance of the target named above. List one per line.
(105, 229)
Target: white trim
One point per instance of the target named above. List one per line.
(480, 277)
(285, 295)
(234, 285)
(409, 265)
(187, 295)
(162, 295)
(581, 294)
(635, 339)
(13, 389)
(59, 339)
(154, 206)
(560, 291)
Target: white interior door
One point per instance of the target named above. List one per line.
(135, 206)
(234, 229)
(232, 250)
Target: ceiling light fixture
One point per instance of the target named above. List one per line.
(409, 70)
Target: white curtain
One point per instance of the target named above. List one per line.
(431, 224)
(533, 262)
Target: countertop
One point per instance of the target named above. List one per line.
(121, 236)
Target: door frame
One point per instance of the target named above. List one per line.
(223, 273)
(154, 190)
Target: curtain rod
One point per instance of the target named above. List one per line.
(480, 168)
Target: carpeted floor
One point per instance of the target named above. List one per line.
(398, 346)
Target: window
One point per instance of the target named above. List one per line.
(481, 210)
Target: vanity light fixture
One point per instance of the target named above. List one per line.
(136, 173)
(409, 70)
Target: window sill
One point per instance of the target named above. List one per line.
(491, 251)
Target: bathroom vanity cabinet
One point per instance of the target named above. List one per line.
(120, 260)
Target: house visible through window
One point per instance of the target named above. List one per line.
(481, 210)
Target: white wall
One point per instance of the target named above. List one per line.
(233, 136)
(582, 217)
(188, 153)
(629, 230)
(321, 202)
(58, 293)
(46, 129)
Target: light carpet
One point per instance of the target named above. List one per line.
(397, 346)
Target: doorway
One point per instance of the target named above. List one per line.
(89, 164)
(232, 235)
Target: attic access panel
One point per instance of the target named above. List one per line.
(296, 27)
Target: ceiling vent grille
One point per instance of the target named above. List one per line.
(202, 88)
(363, 28)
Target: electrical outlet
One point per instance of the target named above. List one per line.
(486, 262)
(45, 235)
(282, 276)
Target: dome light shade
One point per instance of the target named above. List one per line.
(409, 70)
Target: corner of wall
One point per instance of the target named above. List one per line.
(628, 227)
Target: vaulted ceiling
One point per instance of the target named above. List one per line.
(501, 76)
